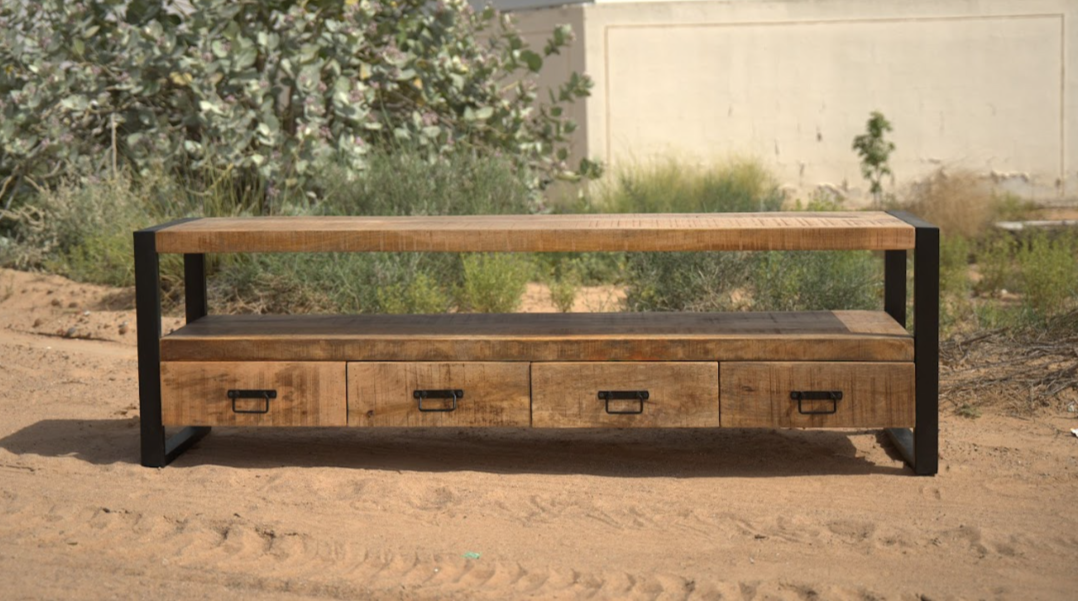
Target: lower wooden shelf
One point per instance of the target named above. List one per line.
(793, 336)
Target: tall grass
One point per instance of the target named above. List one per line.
(738, 185)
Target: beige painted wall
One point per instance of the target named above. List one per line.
(987, 85)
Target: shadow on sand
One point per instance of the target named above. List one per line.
(679, 453)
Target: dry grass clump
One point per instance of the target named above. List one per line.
(959, 202)
(1023, 368)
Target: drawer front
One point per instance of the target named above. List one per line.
(235, 393)
(678, 395)
(408, 394)
(765, 395)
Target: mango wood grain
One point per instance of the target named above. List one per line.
(542, 233)
(308, 394)
(680, 395)
(812, 336)
(874, 395)
(495, 394)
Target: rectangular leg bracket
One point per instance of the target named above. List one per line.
(156, 449)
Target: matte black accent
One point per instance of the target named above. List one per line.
(902, 438)
(894, 285)
(265, 395)
(419, 395)
(194, 286)
(926, 310)
(156, 450)
(624, 395)
(183, 440)
(816, 395)
(148, 324)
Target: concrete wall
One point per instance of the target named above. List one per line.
(986, 85)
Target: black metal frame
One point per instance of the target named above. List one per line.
(157, 448)
(919, 447)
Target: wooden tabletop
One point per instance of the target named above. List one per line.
(868, 230)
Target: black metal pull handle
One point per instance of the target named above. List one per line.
(816, 395)
(419, 395)
(624, 395)
(265, 395)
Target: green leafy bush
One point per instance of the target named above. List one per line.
(264, 94)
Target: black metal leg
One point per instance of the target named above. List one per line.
(920, 448)
(156, 449)
(194, 286)
(894, 285)
(148, 321)
(926, 320)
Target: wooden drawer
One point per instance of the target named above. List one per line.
(384, 394)
(567, 395)
(305, 393)
(759, 395)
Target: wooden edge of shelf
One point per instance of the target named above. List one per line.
(849, 336)
(868, 230)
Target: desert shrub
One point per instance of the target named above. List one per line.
(265, 93)
(675, 187)
(954, 266)
(1007, 206)
(808, 281)
(337, 282)
(729, 280)
(996, 263)
(685, 281)
(955, 283)
(83, 230)
(564, 283)
(408, 183)
(422, 295)
(1049, 268)
(494, 282)
(956, 201)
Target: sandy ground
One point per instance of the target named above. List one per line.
(495, 514)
